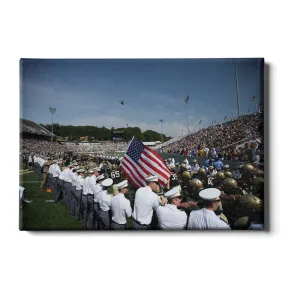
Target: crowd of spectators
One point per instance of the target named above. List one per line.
(47, 147)
(220, 140)
(27, 126)
(102, 147)
(40, 147)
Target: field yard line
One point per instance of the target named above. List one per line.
(26, 172)
(31, 181)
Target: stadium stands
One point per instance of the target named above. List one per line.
(30, 127)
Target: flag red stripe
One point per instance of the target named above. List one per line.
(136, 168)
(129, 175)
(154, 170)
(158, 158)
(152, 162)
(133, 172)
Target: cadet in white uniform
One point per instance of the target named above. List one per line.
(145, 202)
(105, 200)
(50, 176)
(55, 173)
(205, 218)
(74, 177)
(63, 183)
(97, 189)
(169, 217)
(77, 195)
(87, 197)
(121, 207)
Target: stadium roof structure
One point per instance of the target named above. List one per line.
(27, 126)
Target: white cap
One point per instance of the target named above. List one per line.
(194, 160)
(80, 171)
(210, 194)
(76, 168)
(226, 165)
(174, 192)
(152, 178)
(122, 184)
(107, 182)
(55, 161)
(90, 171)
(101, 177)
(75, 164)
(97, 169)
(211, 167)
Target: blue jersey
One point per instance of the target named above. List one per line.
(218, 165)
(208, 163)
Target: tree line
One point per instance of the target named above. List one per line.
(94, 133)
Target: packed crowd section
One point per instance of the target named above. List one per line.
(27, 126)
(48, 147)
(221, 139)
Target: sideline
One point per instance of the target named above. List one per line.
(24, 172)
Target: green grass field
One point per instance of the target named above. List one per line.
(39, 215)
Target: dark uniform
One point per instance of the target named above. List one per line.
(45, 169)
(173, 180)
(116, 175)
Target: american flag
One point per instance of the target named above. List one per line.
(200, 122)
(140, 161)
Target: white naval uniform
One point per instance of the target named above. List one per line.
(170, 218)
(87, 188)
(56, 171)
(62, 175)
(67, 175)
(78, 195)
(205, 219)
(93, 180)
(121, 207)
(87, 202)
(105, 201)
(145, 202)
(74, 178)
(97, 189)
(78, 182)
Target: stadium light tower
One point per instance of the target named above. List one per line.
(237, 89)
(161, 121)
(52, 110)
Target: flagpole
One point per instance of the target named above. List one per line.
(237, 89)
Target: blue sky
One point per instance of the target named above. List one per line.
(86, 92)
